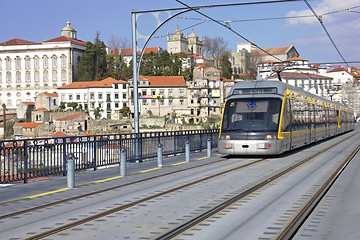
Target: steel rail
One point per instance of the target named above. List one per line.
(195, 221)
(125, 206)
(92, 193)
(297, 222)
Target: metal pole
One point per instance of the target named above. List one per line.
(123, 162)
(209, 147)
(160, 156)
(4, 116)
(70, 171)
(187, 151)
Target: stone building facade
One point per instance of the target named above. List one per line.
(180, 43)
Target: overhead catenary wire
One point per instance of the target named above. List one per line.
(228, 27)
(327, 33)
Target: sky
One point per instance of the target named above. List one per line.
(41, 20)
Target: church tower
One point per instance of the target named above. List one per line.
(177, 43)
(68, 31)
(195, 44)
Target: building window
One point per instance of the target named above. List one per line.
(116, 105)
(62, 96)
(161, 102)
(54, 62)
(46, 61)
(46, 76)
(18, 86)
(100, 96)
(85, 96)
(92, 96)
(124, 105)
(144, 101)
(153, 92)
(63, 75)
(27, 62)
(92, 105)
(116, 96)
(116, 86)
(36, 62)
(18, 63)
(18, 77)
(124, 86)
(78, 97)
(8, 77)
(27, 76)
(8, 63)
(46, 85)
(153, 101)
(181, 101)
(37, 76)
(63, 61)
(28, 85)
(70, 97)
(124, 96)
(54, 76)
(170, 101)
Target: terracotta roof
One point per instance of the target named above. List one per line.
(51, 94)
(339, 69)
(164, 81)
(42, 109)
(27, 124)
(227, 80)
(17, 41)
(273, 51)
(269, 61)
(66, 39)
(128, 51)
(58, 134)
(70, 116)
(295, 59)
(297, 75)
(106, 83)
(29, 103)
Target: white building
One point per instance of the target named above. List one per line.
(109, 95)
(28, 68)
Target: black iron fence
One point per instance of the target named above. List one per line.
(21, 160)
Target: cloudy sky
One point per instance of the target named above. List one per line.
(268, 25)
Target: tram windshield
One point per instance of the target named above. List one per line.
(252, 115)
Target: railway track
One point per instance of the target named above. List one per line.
(183, 227)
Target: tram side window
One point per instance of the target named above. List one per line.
(285, 126)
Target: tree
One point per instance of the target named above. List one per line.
(225, 65)
(97, 112)
(62, 106)
(73, 105)
(92, 64)
(125, 111)
(215, 48)
(254, 58)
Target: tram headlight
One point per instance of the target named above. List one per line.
(271, 137)
(225, 137)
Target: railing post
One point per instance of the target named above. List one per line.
(70, 171)
(160, 156)
(209, 147)
(95, 151)
(64, 157)
(123, 162)
(25, 162)
(187, 151)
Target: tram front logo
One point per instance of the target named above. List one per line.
(251, 105)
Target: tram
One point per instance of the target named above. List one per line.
(271, 117)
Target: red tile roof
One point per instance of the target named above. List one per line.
(273, 51)
(227, 80)
(295, 59)
(51, 94)
(164, 81)
(269, 61)
(42, 109)
(339, 69)
(297, 75)
(17, 41)
(29, 103)
(128, 51)
(106, 83)
(66, 39)
(58, 134)
(27, 124)
(70, 116)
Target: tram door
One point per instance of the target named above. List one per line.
(309, 123)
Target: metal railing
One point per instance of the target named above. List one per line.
(21, 160)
